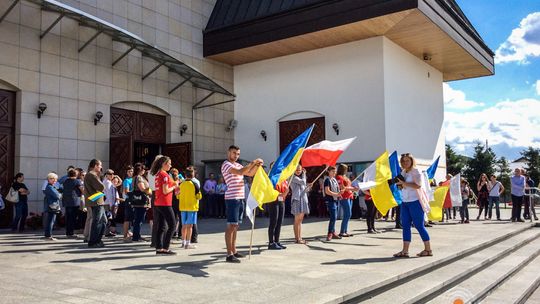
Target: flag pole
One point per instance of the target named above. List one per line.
(252, 228)
(318, 176)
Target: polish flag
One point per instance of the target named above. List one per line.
(325, 153)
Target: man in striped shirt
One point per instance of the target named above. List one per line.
(234, 173)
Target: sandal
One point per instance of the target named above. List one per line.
(425, 253)
(303, 242)
(401, 254)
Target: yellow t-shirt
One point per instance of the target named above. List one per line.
(189, 201)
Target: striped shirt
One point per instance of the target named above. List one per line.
(235, 183)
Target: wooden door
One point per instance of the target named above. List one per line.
(289, 130)
(180, 154)
(120, 154)
(7, 148)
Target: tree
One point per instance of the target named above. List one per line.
(482, 161)
(504, 173)
(454, 162)
(532, 157)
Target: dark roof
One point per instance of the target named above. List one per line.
(236, 24)
(232, 12)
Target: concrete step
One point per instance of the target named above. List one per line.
(535, 297)
(520, 287)
(383, 286)
(433, 283)
(480, 284)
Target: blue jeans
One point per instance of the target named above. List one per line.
(412, 212)
(464, 210)
(494, 200)
(21, 212)
(332, 212)
(346, 206)
(99, 221)
(71, 215)
(138, 220)
(51, 217)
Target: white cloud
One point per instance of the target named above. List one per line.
(515, 124)
(524, 42)
(456, 99)
(537, 87)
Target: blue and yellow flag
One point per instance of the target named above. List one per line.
(289, 159)
(261, 192)
(437, 205)
(381, 194)
(433, 168)
(396, 170)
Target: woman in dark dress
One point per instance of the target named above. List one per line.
(483, 194)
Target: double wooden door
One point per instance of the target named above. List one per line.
(7, 148)
(138, 136)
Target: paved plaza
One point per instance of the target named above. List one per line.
(65, 271)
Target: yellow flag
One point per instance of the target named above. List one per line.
(381, 194)
(261, 192)
(437, 205)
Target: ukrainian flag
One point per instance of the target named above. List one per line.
(289, 159)
(94, 197)
(382, 194)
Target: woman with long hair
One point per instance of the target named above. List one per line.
(299, 201)
(411, 209)
(345, 200)
(139, 210)
(164, 188)
(483, 195)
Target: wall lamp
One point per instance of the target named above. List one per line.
(263, 134)
(97, 117)
(335, 126)
(41, 108)
(183, 129)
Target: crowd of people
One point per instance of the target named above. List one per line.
(172, 201)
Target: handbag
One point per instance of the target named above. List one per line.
(13, 195)
(54, 207)
(137, 198)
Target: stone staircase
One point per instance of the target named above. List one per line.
(502, 270)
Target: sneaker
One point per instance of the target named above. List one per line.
(239, 255)
(274, 246)
(282, 247)
(190, 246)
(232, 259)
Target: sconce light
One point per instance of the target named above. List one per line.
(41, 108)
(232, 124)
(98, 117)
(263, 134)
(335, 126)
(183, 129)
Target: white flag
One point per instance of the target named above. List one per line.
(455, 190)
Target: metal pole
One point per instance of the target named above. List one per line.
(215, 104)
(179, 85)
(11, 7)
(153, 70)
(51, 26)
(90, 40)
(123, 55)
(202, 100)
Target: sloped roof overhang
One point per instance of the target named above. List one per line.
(188, 73)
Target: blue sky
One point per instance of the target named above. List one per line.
(504, 108)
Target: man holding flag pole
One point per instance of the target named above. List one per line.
(233, 173)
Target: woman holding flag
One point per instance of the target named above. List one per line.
(411, 209)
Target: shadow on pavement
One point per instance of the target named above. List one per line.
(360, 261)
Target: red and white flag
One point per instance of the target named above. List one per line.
(325, 153)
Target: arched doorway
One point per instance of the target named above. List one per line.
(140, 137)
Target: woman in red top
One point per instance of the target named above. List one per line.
(345, 201)
(164, 188)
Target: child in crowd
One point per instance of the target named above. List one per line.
(189, 196)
